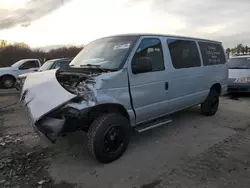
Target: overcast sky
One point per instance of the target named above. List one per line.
(53, 22)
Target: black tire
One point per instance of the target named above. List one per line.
(7, 82)
(99, 137)
(210, 106)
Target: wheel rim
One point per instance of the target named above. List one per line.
(214, 103)
(8, 83)
(114, 139)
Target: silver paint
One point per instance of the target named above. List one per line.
(186, 87)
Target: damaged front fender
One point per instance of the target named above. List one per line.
(57, 96)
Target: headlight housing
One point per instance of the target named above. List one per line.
(242, 80)
(84, 92)
(21, 80)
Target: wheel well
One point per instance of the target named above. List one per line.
(8, 75)
(216, 87)
(108, 108)
(93, 113)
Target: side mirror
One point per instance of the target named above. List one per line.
(141, 65)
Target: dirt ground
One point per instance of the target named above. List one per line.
(193, 151)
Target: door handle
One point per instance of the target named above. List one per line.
(166, 85)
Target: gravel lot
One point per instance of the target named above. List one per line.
(193, 151)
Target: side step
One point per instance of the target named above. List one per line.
(152, 124)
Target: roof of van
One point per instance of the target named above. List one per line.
(164, 35)
(242, 56)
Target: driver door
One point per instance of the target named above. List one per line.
(149, 90)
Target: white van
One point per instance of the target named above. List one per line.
(127, 81)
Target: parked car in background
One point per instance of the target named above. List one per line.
(8, 75)
(122, 82)
(239, 74)
(48, 65)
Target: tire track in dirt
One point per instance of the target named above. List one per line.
(1, 126)
(226, 164)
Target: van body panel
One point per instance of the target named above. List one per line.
(148, 90)
(165, 89)
(186, 86)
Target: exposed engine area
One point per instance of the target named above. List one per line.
(75, 82)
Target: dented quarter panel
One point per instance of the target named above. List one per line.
(44, 93)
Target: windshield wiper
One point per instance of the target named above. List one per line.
(98, 67)
(239, 67)
(90, 65)
(93, 66)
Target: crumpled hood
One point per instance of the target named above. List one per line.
(238, 73)
(42, 93)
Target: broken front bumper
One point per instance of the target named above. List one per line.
(47, 128)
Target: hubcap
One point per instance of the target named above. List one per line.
(8, 83)
(113, 140)
(214, 102)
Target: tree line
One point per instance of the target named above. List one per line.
(11, 53)
(238, 50)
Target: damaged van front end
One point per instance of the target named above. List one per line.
(61, 99)
(88, 95)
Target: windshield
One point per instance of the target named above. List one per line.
(46, 66)
(17, 63)
(239, 63)
(106, 53)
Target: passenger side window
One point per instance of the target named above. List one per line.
(151, 49)
(184, 53)
(212, 53)
(29, 64)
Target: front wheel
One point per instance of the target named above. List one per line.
(108, 137)
(7, 82)
(210, 106)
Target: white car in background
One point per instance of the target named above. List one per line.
(239, 74)
(48, 65)
(8, 75)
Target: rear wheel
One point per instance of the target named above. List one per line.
(210, 106)
(108, 137)
(7, 82)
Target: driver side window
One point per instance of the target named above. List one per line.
(151, 48)
(28, 65)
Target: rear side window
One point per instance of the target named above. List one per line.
(184, 53)
(212, 54)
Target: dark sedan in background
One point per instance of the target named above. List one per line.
(48, 65)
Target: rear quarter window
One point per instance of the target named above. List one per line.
(212, 53)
